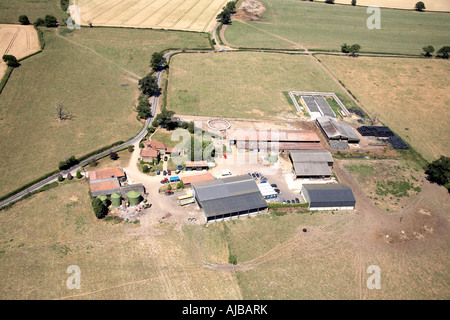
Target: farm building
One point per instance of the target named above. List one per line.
(154, 149)
(329, 196)
(110, 181)
(228, 197)
(188, 180)
(273, 140)
(196, 165)
(317, 106)
(148, 155)
(311, 163)
(334, 130)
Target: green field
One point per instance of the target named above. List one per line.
(243, 84)
(10, 10)
(100, 97)
(320, 26)
(132, 48)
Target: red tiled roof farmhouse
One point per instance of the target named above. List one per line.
(105, 174)
(105, 185)
(197, 178)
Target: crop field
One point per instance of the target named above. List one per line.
(132, 48)
(99, 95)
(243, 84)
(435, 5)
(292, 24)
(19, 41)
(193, 15)
(11, 10)
(408, 95)
(43, 235)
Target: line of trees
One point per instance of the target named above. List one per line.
(441, 53)
(351, 49)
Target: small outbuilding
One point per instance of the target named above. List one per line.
(329, 196)
(311, 163)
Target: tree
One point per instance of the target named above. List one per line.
(231, 6)
(39, 22)
(69, 176)
(180, 185)
(149, 86)
(439, 171)
(420, 6)
(232, 259)
(225, 16)
(444, 52)
(165, 119)
(169, 187)
(79, 176)
(145, 169)
(354, 49)
(50, 21)
(151, 129)
(345, 48)
(60, 178)
(428, 50)
(158, 61)
(353, 2)
(329, 1)
(143, 107)
(23, 20)
(130, 149)
(61, 112)
(11, 61)
(93, 163)
(99, 208)
(113, 156)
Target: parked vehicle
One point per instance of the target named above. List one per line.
(284, 201)
(257, 174)
(297, 200)
(253, 176)
(277, 191)
(158, 172)
(165, 180)
(226, 172)
(274, 186)
(173, 179)
(168, 192)
(169, 172)
(165, 158)
(177, 171)
(289, 201)
(164, 172)
(263, 181)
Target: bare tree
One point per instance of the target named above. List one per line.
(62, 112)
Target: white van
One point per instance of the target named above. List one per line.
(226, 172)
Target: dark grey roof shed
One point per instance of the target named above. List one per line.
(329, 195)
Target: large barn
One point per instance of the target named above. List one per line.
(228, 197)
(273, 140)
(311, 163)
(329, 196)
(334, 130)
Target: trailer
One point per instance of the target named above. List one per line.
(186, 199)
(173, 179)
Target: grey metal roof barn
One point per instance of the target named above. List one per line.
(227, 197)
(311, 163)
(334, 130)
(329, 196)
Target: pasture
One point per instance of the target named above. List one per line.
(11, 10)
(99, 94)
(276, 259)
(192, 15)
(292, 24)
(16, 40)
(243, 84)
(45, 234)
(132, 48)
(408, 95)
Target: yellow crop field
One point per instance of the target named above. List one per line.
(435, 5)
(19, 41)
(192, 15)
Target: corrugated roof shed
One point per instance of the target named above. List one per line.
(228, 195)
(311, 156)
(311, 163)
(336, 130)
(329, 195)
(273, 135)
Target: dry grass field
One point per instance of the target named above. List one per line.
(408, 95)
(16, 40)
(192, 15)
(435, 5)
(117, 261)
(42, 235)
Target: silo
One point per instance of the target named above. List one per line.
(104, 199)
(116, 200)
(134, 197)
